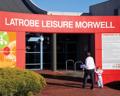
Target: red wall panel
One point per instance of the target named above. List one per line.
(98, 49)
(20, 51)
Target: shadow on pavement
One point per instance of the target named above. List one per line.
(61, 77)
(66, 84)
(114, 85)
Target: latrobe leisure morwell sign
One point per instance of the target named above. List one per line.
(58, 24)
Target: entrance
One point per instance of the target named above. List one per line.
(69, 47)
(73, 47)
(33, 51)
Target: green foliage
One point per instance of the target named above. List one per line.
(15, 82)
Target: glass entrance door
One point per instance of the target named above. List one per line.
(73, 47)
(33, 51)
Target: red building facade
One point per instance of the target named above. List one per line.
(105, 30)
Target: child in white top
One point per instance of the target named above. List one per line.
(99, 72)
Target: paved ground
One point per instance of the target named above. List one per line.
(60, 85)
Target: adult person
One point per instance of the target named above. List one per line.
(89, 70)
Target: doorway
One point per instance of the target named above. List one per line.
(73, 47)
(69, 47)
(33, 51)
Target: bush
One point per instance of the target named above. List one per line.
(15, 82)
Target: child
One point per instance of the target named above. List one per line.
(99, 72)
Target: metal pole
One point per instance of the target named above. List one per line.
(54, 52)
(41, 52)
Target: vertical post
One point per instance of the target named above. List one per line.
(41, 51)
(54, 52)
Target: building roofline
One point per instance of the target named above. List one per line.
(21, 6)
(33, 7)
(100, 3)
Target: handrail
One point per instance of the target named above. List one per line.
(69, 60)
(74, 63)
(79, 61)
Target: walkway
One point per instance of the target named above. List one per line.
(60, 85)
